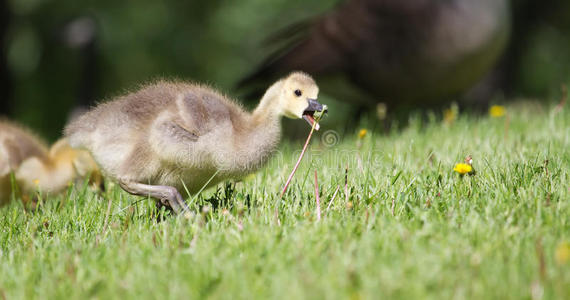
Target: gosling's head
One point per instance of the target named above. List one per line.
(82, 162)
(298, 97)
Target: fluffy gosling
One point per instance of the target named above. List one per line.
(171, 136)
(35, 166)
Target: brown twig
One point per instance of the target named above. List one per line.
(317, 197)
(298, 161)
(276, 214)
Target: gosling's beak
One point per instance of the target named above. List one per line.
(314, 106)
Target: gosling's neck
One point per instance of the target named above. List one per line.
(268, 111)
(265, 122)
(260, 137)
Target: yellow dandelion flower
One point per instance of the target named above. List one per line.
(463, 169)
(362, 133)
(562, 253)
(497, 111)
(36, 181)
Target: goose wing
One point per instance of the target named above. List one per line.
(334, 42)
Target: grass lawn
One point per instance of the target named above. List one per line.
(407, 226)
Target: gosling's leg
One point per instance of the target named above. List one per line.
(167, 195)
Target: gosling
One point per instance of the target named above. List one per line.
(173, 136)
(35, 166)
(53, 172)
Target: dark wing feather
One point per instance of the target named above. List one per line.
(331, 42)
(305, 46)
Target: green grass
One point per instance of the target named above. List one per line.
(413, 228)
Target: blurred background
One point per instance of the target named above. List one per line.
(56, 55)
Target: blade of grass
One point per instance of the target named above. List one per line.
(332, 199)
(317, 197)
(346, 184)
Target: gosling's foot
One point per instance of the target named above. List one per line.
(166, 195)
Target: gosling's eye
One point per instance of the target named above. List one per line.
(298, 93)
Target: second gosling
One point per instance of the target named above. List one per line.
(37, 168)
(171, 136)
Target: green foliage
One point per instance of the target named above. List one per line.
(215, 41)
(408, 226)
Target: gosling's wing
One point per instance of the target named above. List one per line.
(194, 112)
(189, 123)
(173, 132)
(202, 110)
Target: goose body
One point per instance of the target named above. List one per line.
(171, 136)
(37, 167)
(396, 52)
